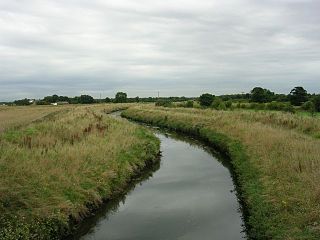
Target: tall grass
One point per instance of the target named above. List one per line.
(278, 166)
(53, 171)
(16, 116)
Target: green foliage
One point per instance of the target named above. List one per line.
(164, 103)
(261, 95)
(206, 99)
(298, 96)
(107, 100)
(308, 106)
(55, 98)
(22, 102)
(228, 104)
(189, 104)
(218, 104)
(42, 102)
(121, 97)
(86, 99)
(316, 101)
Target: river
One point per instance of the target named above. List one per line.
(190, 195)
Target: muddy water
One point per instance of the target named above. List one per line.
(189, 196)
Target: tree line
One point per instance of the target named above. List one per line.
(120, 97)
(264, 98)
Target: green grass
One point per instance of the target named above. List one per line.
(275, 159)
(53, 171)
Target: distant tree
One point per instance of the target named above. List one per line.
(121, 97)
(85, 99)
(206, 99)
(41, 102)
(261, 95)
(298, 96)
(55, 98)
(316, 101)
(22, 102)
(107, 100)
(137, 99)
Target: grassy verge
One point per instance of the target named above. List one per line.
(277, 166)
(54, 171)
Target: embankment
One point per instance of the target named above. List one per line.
(276, 168)
(55, 171)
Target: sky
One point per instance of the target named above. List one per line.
(176, 47)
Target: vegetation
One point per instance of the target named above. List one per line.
(298, 96)
(54, 170)
(206, 99)
(121, 97)
(261, 95)
(12, 117)
(275, 158)
(22, 102)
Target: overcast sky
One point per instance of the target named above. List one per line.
(177, 47)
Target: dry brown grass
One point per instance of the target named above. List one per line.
(17, 116)
(52, 169)
(287, 159)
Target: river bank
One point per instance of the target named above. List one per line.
(272, 187)
(55, 171)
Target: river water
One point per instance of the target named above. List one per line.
(190, 195)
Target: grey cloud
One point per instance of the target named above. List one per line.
(142, 46)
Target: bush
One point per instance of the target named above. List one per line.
(206, 99)
(41, 102)
(164, 103)
(189, 104)
(228, 104)
(218, 104)
(308, 106)
(316, 102)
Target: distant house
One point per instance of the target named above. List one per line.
(59, 103)
(62, 103)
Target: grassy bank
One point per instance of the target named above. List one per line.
(52, 172)
(275, 159)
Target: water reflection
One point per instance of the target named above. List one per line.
(189, 197)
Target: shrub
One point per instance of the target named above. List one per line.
(189, 104)
(206, 99)
(316, 102)
(164, 103)
(228, 104)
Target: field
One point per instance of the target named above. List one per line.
(275, 158)
(17, 116)
(56, 164)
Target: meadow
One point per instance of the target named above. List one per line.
(59, 163)
(275, 157)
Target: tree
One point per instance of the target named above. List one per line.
(316, 101)
(261, 95)
(121, 97)
(206, 99)
(23, 102)
(107, 100)
(85, 99)
(298, 96)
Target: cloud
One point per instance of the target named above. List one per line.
(142, 46)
